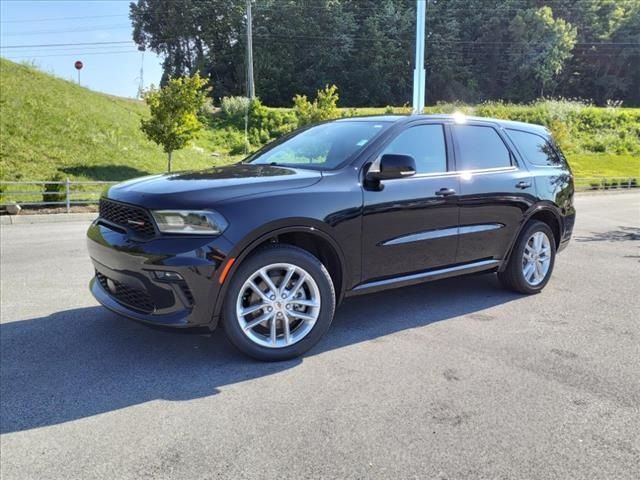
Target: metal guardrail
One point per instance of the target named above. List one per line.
(606, 183)
(66, 193)
(75, 193)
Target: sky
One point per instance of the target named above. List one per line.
(110, 68)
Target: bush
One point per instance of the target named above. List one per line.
(54, 192)
(265, 123)
(324, 107)
(206, 111)
(238, 146)
(327, 102)
(234, 109)
(350, 112)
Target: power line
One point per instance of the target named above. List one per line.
(74, 30)
(272, 36)
(56, 19)
(48, 45)
(75, 54)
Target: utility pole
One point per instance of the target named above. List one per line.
(141, 84)
(419, 74)
(251, 89)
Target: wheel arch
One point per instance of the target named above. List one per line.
(545, 212)
(308, 236)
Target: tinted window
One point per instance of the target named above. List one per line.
(324, 146)
(425, 143)
(534, 148)
(479, 147)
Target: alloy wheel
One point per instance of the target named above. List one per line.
(536, 258)
(278, 305)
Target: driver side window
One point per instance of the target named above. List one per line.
(426, 144)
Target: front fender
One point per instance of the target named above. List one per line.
(262, 234)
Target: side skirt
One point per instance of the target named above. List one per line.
(412, 279)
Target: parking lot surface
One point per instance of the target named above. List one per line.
(448, 380)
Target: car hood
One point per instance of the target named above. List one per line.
(202, 189)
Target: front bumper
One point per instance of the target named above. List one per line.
(130, 275)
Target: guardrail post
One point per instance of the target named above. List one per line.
(67, 190)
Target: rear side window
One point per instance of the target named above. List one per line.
(479, 147)
(425, 143)
(534, 148)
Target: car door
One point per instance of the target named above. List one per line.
(495, 192)
(410, 224)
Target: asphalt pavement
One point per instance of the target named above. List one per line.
(449, 380)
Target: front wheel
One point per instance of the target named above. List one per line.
(531, 261)
(280, 302)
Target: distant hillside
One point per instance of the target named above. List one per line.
(49, 125)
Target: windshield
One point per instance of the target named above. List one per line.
(324, 146)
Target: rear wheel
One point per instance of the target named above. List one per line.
(531, 261)
(280, 302)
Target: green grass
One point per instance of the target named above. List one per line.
(51, 128)
(605, 165)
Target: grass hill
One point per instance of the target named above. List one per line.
(51, 128)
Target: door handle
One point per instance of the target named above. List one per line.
(523, 185)
(445, 192)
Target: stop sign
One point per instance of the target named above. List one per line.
(78, 65)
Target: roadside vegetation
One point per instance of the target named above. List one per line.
(52, 129)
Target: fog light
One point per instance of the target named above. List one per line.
(168, 276)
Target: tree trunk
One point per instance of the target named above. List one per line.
(169, 161)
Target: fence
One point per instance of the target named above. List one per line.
(51, 193)
(68, 193)
(605, 183)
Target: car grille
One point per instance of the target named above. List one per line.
(128, 216)
(131, 297)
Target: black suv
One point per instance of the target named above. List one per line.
(269, 246)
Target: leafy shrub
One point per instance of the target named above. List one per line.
(234, 109)
(304, 110)
(238, 145)
(350, 112)
(324, 106)
(327, 102)
(561, 134)
(54, 192)
(206, 111)
(266, 123)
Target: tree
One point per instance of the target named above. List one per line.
(476, 50)
(174, 113)
(545, 44)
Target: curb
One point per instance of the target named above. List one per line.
(47, 218)
(588, 193)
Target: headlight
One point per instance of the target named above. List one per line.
(201, 222)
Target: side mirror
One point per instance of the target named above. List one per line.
(394, 166)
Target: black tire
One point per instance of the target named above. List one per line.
(271, 254)
(512, 277)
